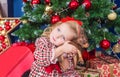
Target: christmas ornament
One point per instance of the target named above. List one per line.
(55, 19)
(116, 48)
(86, 4)
(25, 1)
(105, 44)
(24, 21)
(2, 38)
(6, 26)
(1, 28)
(3, 32)
(112, 16)
(74, 4)
(87, 14)
(47, 1)
(35, 2)
(114, 7)
(48, 10)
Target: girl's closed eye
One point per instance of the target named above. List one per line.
(63, 37)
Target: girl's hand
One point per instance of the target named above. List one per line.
(69, 48)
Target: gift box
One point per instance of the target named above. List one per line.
(88, 72)
(107, 65)
(15, 61)
(91, 73)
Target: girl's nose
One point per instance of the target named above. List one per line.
(59, 36)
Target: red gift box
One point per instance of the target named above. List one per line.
(109, 66)
(15, 61)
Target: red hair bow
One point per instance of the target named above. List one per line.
(71, 19)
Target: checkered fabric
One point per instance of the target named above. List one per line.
(43, 54)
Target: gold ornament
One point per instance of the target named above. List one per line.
(13, 24)
(112, 16)
(24, 21)
(116, 48)
(7, 44)
(48, 10)
(6, 41)
(1, 22)
(3, 32)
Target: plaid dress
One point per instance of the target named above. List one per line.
(43, 55)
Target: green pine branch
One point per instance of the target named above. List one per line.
(95, 20)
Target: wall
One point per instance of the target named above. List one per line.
(17, 4)
(3, 8)
(14, 8)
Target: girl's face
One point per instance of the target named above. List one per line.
(61, 33)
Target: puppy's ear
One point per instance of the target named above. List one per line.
(82, 39)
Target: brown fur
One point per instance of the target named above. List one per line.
(77, 58)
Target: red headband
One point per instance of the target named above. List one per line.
(71, 19)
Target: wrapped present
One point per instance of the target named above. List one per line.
(88, 72)
(116, 70)
(107, 65)
(91, 73)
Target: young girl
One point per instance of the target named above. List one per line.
(54, 43)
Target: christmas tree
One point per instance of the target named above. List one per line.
(99, 18)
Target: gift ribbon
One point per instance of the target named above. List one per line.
(111, 67)
(104, 60)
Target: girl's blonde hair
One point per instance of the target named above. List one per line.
(49, 29)
(80, 39)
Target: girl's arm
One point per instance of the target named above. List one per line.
(65, 48)
(43, 52)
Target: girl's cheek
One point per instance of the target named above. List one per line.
(59, 42)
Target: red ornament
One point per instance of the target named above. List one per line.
(17, 21)
(3, 45)
(74, 4)
(47, 1)
(7, 23)
(86, 4)
(118, 41)
(1, 28)
(105, 44)
(115, 7)
(7, 27)
(25, 1)
(35, 2)
(2, 38)
(55, 19)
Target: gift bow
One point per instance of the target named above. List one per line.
(51, 67)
